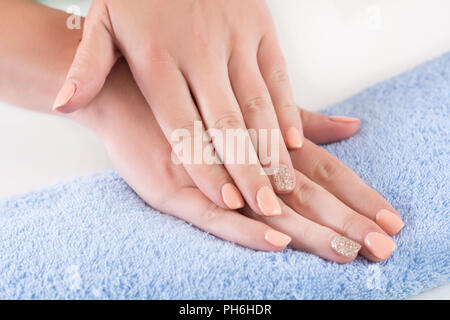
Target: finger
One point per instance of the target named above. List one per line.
(172, 105)
(192, 206)
(92, 63)
(273, 69)
(316, 204)
(324, 169)
(221, 113)
(321, 129)
(259, 115)
(311, 237)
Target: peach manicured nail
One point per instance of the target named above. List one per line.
(379, 245)
(232, 197)
(389, 221)
(344, 119)
(268, 202)
(65, 94)
(294, 139)
(277, 239)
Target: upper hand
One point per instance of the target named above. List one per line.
(215, 61)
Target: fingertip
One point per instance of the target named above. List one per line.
(283, 179)
(379, 245)
(344, 119)
(277, 239)
(232, 197)
(294, 138)
(64, 96)
(268, 202)
(345, 248)
(390, 222)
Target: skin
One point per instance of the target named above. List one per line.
(331, 198)
(214, 61)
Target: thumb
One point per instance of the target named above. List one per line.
(94, 59)
(322, 129)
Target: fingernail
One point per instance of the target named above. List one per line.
(268, 202)
(282, 178)
(232, 197)
(389, 221)
(277, 239)
(294, 139)
(343, 119)
(379, 245)
(65, 94)
(345, 247)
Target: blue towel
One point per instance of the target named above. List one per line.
(93, 237)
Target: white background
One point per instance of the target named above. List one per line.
(334, 48)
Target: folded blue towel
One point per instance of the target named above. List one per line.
(93, 237)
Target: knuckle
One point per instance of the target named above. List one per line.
(288, 108)
(209, 173)
(326, 171)
(257, 104)
(279, 75)
(350, 224)
(303, 193)
(306, 232)
(201, 44)
(229, 120)
(210, 213)
(154, 55)
(166, 171)
(189, 127)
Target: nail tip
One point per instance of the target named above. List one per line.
(345, 120)
(283, 180)
(268, 202)
(277, 238)
(389, 221)
(345, 246)
(65, 95)
(232, 197)
(380, 245)
(294, 138)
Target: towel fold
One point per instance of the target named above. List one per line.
(94, 238)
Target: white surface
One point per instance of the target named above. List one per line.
(333, 49)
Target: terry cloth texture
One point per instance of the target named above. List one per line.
(93, 237)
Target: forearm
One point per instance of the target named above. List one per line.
(36, 51)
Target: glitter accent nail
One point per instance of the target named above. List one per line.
(345, 247)
(282, 178)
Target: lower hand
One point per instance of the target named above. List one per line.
(331, 212)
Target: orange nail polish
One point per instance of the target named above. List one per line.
(343, 119)
(268, 202)
(232, 197)
(389, 221)
(379, 245)
(294, 139)
(65, 94)
(277, 239)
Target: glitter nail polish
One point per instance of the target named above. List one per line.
(282, 178)
(345, 247)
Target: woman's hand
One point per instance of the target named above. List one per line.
(330, 200)
(331, 213)
(215, 61)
